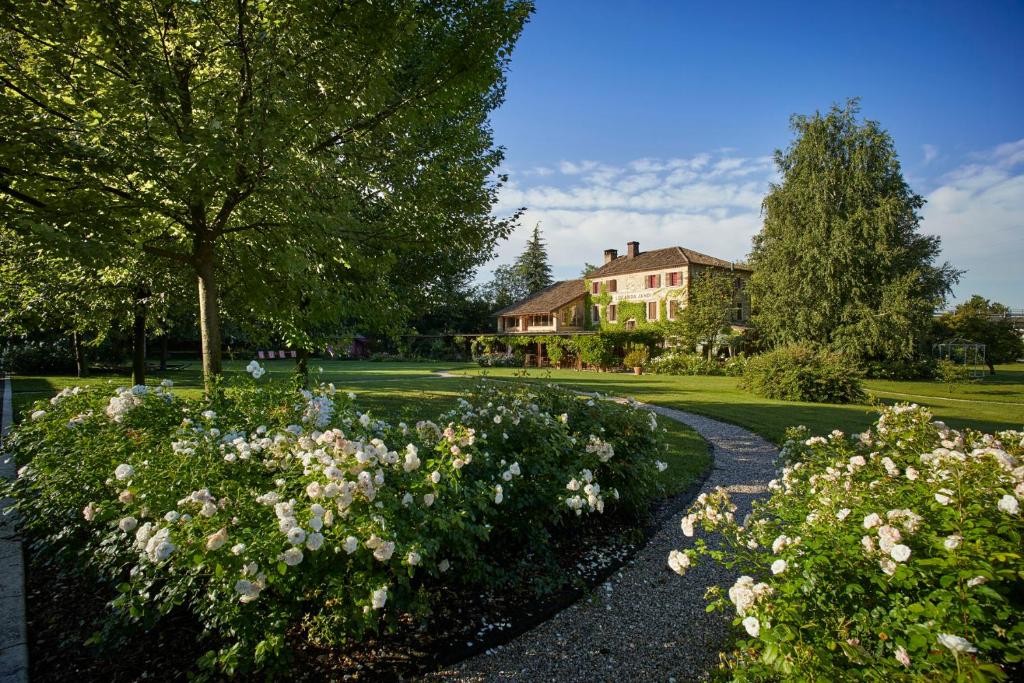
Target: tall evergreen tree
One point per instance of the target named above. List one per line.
(532, 264)
(840, 260)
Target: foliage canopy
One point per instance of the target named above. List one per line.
(840, 260)
(303, 162)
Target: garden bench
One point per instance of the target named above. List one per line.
(271, 355)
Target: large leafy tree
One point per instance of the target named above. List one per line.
(506, 287)
(289, 151)
(707, 312)
(986, 322)
(841, 260)
(83, 295)
(533, 265)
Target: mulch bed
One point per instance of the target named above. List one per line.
(63, 614)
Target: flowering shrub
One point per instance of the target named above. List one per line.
(269, 511)
(679, 363)
(499, 360)
(804, 373)
(888, 555)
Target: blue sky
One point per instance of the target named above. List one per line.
(656, 121)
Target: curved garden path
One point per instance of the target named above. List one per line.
(645, 622)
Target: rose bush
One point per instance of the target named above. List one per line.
(890, 555)
(270, 511)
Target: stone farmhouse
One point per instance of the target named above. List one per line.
(636, 289)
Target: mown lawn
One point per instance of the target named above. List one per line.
(414, 391)
(393, 391)
(993, 404)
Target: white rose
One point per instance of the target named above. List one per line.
(753, 626)
(952, 542)
(292, 556)
(435, 477)
(379, 598)
(900, 553)
(124, 471)
(127, 524)
(779, 566)
(89, 512)
(678, 561)
(872, 520)
(956, 644)
(296, 535)
(314, 540)
(216, 540)
(687, 525)
(351, 544)
(428, 499)
(1009, 505)
(38, 415)
(413, 558)
(384, 551)
(843, 514)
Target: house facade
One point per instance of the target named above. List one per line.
(560, 307)
(628, 291)
(653, 286)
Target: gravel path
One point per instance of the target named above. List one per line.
(645, 623)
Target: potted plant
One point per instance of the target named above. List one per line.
(636, 358)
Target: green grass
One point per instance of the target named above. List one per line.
(394, 391)
(994, 404)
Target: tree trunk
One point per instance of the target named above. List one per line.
(81, 369)
(302, 366)
(163, 352)
(991, 367)
(139, 339)
(209, 313)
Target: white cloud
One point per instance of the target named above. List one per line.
(978, 211)
(712, 203)
(708, 202)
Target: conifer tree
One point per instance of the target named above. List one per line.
(533, 265)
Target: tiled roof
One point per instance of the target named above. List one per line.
(547, 300)
(660, 259)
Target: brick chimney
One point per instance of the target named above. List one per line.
(610, 255)
(632, 249)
